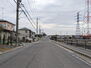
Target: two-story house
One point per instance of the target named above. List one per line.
(26, 35)
(6, 31)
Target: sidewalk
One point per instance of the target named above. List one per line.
(7, 49)
(4, 48)
(80, 50)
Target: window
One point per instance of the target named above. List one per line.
(26, 31)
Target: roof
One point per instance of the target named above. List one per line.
(6, 21)
(5, 30)
(25, 29)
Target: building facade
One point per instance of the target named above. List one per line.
(26, 35)
(7, 33)
(7, 25)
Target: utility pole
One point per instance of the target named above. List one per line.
(78, 25)
(37, 27)
(88, 19)
(17, 19)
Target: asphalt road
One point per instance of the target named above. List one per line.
(43, 54)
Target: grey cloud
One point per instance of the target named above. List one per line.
(62, 12)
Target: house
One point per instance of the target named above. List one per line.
(7, 25)
(7, 33)
(26, 35)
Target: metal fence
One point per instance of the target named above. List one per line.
(86, 43)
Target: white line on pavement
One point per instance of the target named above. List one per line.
(82, 60)
(79, 58)
(64, 48)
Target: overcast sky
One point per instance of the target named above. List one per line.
(55, 16)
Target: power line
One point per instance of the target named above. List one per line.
(11, 4)
(29, 4)
(14, 1)
(28, 18)
(26, 14)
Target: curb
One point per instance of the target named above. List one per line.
(11, 50)
(16, 48)
(75, 51)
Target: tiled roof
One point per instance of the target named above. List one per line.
(25, 29)
(6, 21)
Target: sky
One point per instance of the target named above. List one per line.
(55, 16)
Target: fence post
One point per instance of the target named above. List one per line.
(71, 41)
(76, 42)
(85, 43)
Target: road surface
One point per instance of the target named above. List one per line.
(43, 54)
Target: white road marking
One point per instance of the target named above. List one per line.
(79, 58)
(0, 52)
(64, 48)
(88, 63)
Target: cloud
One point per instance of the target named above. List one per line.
(49, 26)
(55, 15)
(58, 29)
(43, 3)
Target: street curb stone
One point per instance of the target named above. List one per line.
(10, 50)
(78, 52)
